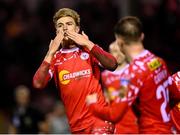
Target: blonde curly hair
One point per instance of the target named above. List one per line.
(64, 12)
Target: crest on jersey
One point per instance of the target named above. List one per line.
(84, 56)
(154, 64)
(178, 106)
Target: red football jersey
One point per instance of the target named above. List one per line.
(175, 112)
(150, 82)
(111, 83)
(147, 83)
(74, 72)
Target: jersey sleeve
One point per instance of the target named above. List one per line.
(103, 58)
(175, 87)
(175, 115)
(43, 74)
(175, 112)
(113, 112)
(176, 79)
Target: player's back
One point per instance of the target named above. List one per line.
(175, 112)
(149, 85)
(152, 80)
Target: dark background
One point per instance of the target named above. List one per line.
(26, 28)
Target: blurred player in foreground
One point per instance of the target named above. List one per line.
(175, 112)
(110, 82)
(73, 60)
(145, 82)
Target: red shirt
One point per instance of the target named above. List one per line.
(74, 71)
(175, 112)
(111, 82)
(148, 82)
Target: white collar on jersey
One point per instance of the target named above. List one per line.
(62, 50)
(142, 54)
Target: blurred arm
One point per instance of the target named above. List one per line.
(105, 58)
(41, 76)
(113, 112)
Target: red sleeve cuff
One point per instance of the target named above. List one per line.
(95, 48)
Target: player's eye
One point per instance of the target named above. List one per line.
(70, 23)
(59, 25)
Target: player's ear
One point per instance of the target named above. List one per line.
(77, 29)
(142, 37)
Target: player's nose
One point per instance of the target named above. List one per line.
(64, 28)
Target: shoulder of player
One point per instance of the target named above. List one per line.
(57, 54)
(176, 76)
(148, 62)
(105, 72)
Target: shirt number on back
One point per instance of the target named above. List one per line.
(162, 92)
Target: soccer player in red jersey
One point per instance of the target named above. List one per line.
(110, 82)
(175, 112)
(75, 70)
(145, 82)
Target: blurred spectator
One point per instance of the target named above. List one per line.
(25, 118)
(58, 121)
(44, 126)
(4, 122)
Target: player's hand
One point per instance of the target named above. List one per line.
(85, 36)
(55, 44)
(90, 99)
(80, 39)
(53, 47)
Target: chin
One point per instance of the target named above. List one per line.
(67, 42)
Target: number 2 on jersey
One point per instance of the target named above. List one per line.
(162, 92)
